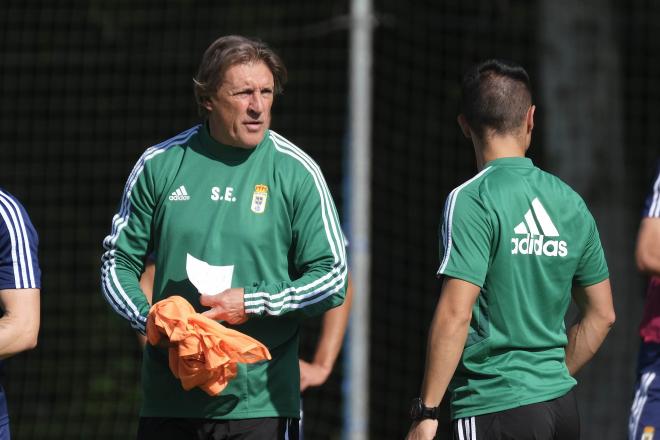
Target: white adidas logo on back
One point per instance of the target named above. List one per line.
(180, 194)
(534, 242)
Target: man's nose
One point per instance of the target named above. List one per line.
(257, 102)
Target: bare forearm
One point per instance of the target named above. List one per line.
(317, 372)
(447, 337)
(333, 330)
(446, 341)
(649, 263)
(584, 339)
(329, 344)
(19, 326)
(586, 336)
(16, 336)
(332, 336)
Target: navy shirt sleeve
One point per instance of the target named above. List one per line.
(19, 265)
(652, 205)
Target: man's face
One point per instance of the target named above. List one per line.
(240, 109)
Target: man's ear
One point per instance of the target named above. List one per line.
(465, 128)
(207, 104)
(529, 119)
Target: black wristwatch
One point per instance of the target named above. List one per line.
(420, 412)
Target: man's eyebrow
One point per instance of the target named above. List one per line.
(241, 89)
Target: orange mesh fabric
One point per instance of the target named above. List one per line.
(203, 352)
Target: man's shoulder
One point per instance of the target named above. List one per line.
(17, 232)
(162, 159)
(543, 182)
(4, 194)
(471, 188)
(475, 182)
(290, 157)
(173, 146)
(563, 193)
(500, 188)
(11, 209)
(467, 198)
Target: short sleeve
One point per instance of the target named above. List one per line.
(465, 237)
(19, 265)
(592, 267)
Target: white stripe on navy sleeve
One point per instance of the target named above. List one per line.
(20, 253)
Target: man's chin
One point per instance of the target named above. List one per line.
(248, 143)
(251, 140)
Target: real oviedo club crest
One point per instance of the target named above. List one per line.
(259, 199)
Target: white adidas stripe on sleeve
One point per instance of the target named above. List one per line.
(112, 288)
(326, 285)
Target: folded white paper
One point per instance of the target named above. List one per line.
(208, 279)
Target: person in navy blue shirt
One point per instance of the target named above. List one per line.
(644, 418)
(20, 285)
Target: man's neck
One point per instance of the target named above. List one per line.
(497, 147)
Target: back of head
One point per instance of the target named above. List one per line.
(226, 52)
(495, 95)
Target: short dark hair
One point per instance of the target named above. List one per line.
(495, 94)
(226, 52)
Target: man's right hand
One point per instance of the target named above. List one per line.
(226, 306)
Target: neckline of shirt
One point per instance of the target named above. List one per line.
(223, 151)
(511, 161)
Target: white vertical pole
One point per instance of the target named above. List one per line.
(356, 389)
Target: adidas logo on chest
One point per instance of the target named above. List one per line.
(537, 234)
(180, 194)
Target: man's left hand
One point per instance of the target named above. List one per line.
(312, 375)
(226, 306)
(423, 430)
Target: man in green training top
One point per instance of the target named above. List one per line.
(515, 242)
(235, 212)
